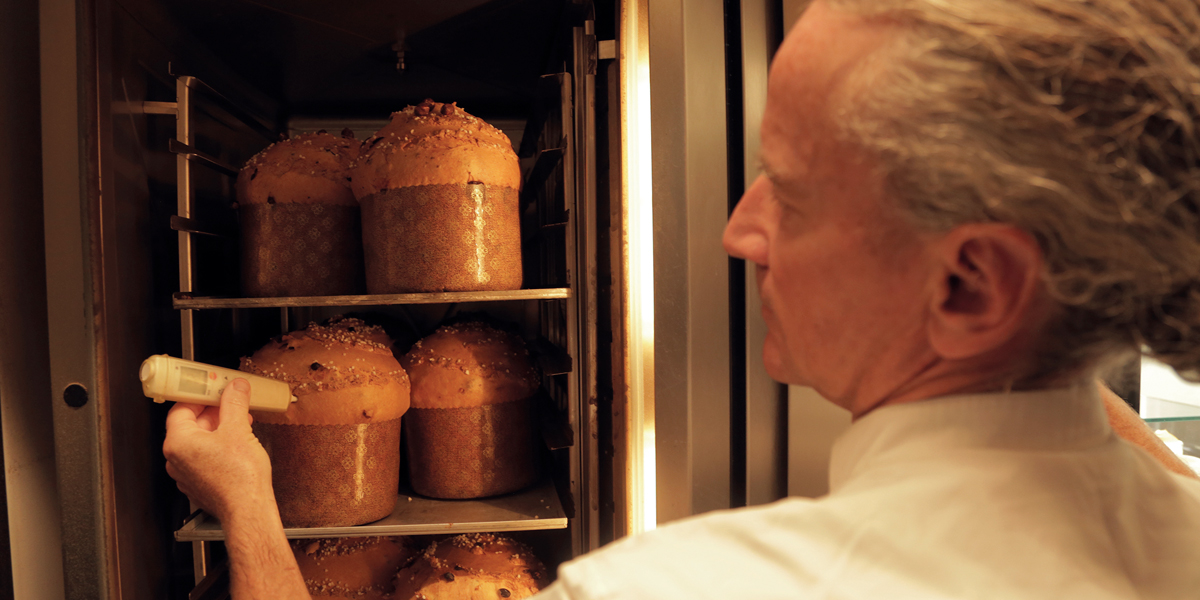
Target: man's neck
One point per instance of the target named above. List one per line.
(947, 378)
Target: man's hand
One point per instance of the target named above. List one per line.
(216, 460)
(213, 455)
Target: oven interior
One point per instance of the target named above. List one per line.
(195, 88)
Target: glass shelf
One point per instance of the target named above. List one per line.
(189, 302)
(1171, 419)
(1158, 410)
(535, 508)
(1164, 396)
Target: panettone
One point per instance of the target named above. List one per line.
(471, 430)
(475, 566)
(300, 223)
(354, 568)
(372, 333)
(335, 451)
(439, 194)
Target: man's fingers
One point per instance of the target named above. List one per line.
(183, 416)
(175, 474)
(210, 419)
(235, 403)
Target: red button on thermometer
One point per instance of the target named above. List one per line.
(169, 378)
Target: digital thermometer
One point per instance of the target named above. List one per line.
(169, 378)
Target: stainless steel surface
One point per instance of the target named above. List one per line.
(182, 224)
(188, 347)
(611, 298)
(766, 399)
(33, 533)
(691, 279)
(70, 183)
(183, 208)
(631, 260)
(183, 186)
(536, 508)
(143, 108)
(214, 586)
(160, 108)
(199, 157)
(372, 300)
(606, 49)
(585, 267)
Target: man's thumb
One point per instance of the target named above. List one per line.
(235, 402)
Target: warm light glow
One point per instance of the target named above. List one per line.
(639, 216)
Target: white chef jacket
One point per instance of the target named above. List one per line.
(1009, 496)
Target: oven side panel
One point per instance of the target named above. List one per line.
(33, 568)
(109, 191)
(71, 192)
(691, 271)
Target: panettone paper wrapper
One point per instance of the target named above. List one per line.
(301, 250)
(472, 452)
(442, 238)
(333, 475)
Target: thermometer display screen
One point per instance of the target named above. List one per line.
(192, 380)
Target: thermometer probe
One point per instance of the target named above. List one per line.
(169, 378)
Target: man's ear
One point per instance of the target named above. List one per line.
(988, 290)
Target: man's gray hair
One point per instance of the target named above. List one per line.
(1075, 120)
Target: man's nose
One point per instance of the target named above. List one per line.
(746, 233)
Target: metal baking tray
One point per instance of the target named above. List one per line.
(190, 302)
(535, 508)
